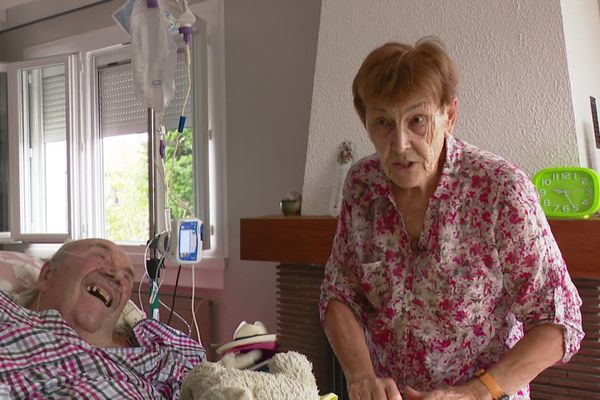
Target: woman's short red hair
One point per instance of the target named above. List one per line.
(396, 70)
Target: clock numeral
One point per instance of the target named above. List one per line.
(555, 176)
(585, 202)
(547, 203)
(584, 181)
(566, 208)
(575, 209)
(565, 175)
(589, 192)
(556, 207)
(543, 192)
(546, 182)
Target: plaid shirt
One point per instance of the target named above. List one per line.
(41, 357)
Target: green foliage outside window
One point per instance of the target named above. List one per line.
(126, 193)
(126, 185)
(181, 183)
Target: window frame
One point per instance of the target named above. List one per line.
(17, 180)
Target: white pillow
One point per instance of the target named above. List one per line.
(18, 271)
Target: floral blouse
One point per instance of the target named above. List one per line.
(485, 269)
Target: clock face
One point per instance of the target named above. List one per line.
(572, 192)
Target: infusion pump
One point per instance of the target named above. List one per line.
(183, 243)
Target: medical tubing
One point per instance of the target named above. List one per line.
(181, 124)
(188, 63)
(193, 306)
(173, 197)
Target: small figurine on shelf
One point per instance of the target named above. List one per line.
(291, 204)
(344, 162)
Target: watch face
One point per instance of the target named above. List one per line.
(572, 192)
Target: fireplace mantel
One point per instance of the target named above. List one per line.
(308, 240)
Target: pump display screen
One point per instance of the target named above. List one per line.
(188, 241)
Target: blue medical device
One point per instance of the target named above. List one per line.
(185, 241)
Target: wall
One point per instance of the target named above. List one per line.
(514, 93)
(270, 62)
(581, 22)
(270, 51)
(13, 42)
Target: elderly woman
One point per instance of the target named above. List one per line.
(445, 281)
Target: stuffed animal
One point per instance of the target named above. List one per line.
(290, 378)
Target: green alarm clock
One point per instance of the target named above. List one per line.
(568, 192)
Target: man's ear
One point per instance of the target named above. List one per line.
(451, 112)
(45, 277)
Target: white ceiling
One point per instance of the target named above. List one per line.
(6, 4)
(11, 3)
(14, 13)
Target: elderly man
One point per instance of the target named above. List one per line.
(62, 344)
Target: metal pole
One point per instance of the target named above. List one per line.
(152, 212)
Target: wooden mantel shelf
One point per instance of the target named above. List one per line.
(293, 239)
(308, 240)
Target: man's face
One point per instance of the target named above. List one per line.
(409, 138)
(90, 287)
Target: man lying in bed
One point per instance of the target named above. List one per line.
(61, 342)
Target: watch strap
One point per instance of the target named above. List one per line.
(491, 385)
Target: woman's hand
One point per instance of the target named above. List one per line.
(373, 388)
(463, 392)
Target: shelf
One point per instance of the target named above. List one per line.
(308, 240)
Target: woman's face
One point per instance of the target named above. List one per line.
(409, 139)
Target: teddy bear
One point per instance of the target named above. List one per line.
(290, 378)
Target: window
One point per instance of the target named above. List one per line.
(84, 154)
(41, 144)
(123, 138)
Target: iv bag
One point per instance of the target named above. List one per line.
(154, 56)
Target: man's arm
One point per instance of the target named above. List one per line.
(347, 339)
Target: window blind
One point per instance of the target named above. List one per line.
(54, 115)
(120, 112)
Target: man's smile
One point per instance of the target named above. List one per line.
(100, 293)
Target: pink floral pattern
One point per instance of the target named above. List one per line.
(485, 269)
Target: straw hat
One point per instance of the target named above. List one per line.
(246, 334)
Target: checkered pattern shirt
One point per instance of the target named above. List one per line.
(41, 357)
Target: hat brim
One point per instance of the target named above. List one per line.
(246, 341)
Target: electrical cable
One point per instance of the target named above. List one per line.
(189, 328)
(174, 293)
(139, 291)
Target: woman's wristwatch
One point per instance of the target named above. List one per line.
(492, 386)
